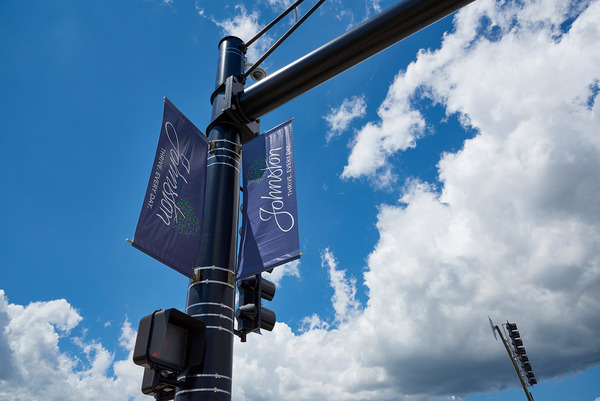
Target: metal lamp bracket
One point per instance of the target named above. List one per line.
(227, 110)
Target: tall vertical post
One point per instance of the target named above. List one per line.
(211, 293)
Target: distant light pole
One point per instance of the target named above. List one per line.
(517, 354)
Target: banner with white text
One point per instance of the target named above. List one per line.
(170, 223)
(270, 212)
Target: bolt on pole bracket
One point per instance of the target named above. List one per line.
(227, 111)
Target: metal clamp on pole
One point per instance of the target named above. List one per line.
(227, 111)
(212, 146)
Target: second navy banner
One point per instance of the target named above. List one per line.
(270, 212)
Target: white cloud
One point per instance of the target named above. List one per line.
(373, 6)
(344, 299)
(469, 63)
(339, 119)
(244, 25)
(287, 269)
(280, 4)
(35, 368)
(353, 14)
(399, 128)
(314, 365)
(313, 322)
(513, 231)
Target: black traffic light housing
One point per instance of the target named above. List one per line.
(169, 340)
(251, 316)
(159, 385)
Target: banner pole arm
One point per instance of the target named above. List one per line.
(351, 48)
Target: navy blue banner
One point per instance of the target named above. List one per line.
(270, 212)
(170, 223)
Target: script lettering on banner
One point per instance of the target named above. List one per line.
(270, 212)
(170, 223)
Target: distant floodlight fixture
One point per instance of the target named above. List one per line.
(511, 326)
(517, 354)
(520, 350)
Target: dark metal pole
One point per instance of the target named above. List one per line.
(342, 53)
(211, 294)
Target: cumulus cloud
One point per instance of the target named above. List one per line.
(474, 59)
(288, 269)
(280, 4)
(244, 25)
(373, 6)
(339, 119)
(398, 129)
(34, 367)
(344, 299)
(511, 231)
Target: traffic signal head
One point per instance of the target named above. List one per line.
(169, 340)
(154, 386)
(251, 316)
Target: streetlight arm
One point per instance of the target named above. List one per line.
(367, 39)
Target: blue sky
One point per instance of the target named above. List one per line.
(449, 178)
